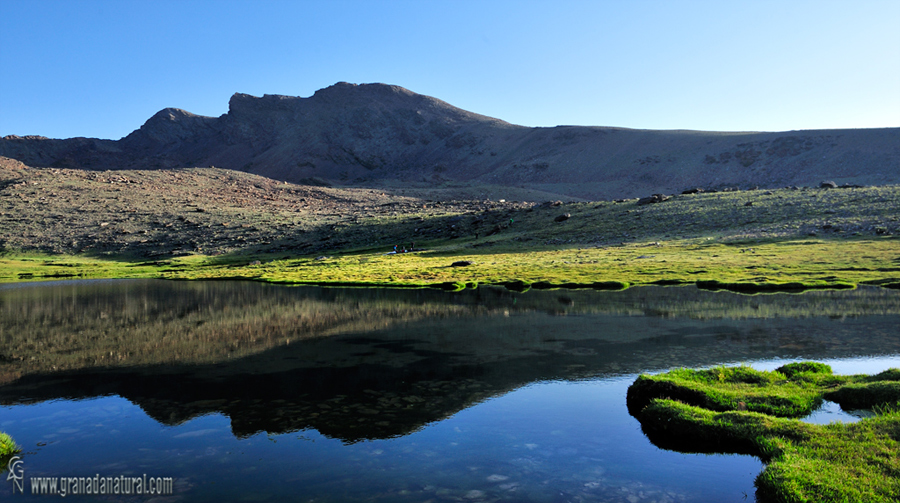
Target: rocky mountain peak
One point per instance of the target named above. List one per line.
(374, 134)
(242, 104)
(168, 126)
(368, 91)
(389, 98)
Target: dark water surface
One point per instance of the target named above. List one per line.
(253, 392)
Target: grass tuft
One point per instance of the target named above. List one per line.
(793, 369)
(8, 447)
(865, 395)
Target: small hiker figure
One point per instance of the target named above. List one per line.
(412, 246)
(395, 248)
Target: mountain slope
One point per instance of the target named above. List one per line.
(378, 135)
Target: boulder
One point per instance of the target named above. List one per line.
(655, 198)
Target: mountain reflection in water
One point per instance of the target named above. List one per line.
(363, 364)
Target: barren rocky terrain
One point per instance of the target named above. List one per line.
(139, 214)
(175, 212)
(388, 138)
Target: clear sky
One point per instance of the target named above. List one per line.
(101, 68)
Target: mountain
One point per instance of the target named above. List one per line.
(377, 135)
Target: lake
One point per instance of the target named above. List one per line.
(243, 391)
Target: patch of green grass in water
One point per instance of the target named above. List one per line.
(743, 410)
(8, 448)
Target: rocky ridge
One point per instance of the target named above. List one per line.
(377, 135)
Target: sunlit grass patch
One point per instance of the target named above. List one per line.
(743, 410)
(856, 462)
(8, 448)
(735, 388)
(771, 267)
(40, 267)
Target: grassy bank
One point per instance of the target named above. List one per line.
(742, 410)
(772, 266)
(212, 223)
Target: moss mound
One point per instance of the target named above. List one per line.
(734, 388)
(866, 395)
(8, 447)
(743, 410)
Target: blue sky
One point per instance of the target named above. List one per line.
(101, 68)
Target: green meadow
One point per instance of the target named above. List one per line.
(773, 265)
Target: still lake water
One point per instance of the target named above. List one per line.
(253, 392)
